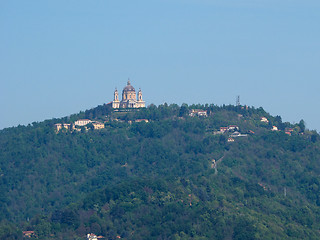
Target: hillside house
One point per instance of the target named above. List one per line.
(274, 128)
(98, 125)
(289, 129)
(91, 236)
(223, 129)
(230, 140)
(142, 120)
(264, 119)
(245, 107)
(198, 112)
(28, 234)
(60, 126)
(237, 134)
(82, 122)
(233, 127)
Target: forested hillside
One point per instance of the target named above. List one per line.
(173, 175)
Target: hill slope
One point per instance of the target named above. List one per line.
(158, 180)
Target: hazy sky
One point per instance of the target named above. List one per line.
(60, 57)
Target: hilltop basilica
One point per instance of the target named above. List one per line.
(129, 98)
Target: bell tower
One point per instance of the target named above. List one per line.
(116, 95)
(140, 102)
(140, 95)
(116, 102)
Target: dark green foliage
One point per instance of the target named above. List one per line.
(8, 230)
(244, 229)
(156, 180)
(99, 112)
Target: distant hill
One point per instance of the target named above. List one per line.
(162, 172)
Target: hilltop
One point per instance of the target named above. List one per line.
(162, 172)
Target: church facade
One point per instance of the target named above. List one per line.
(129, 98)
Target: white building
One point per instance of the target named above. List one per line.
(233, 127)
(198, 112)
(82, 122)
(91, 236)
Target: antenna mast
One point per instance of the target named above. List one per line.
(238, 101)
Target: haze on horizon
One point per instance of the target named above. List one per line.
(58, 58)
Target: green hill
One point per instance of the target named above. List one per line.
(175, 176)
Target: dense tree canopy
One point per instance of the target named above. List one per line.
(173, 177)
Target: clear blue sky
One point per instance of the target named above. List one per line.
(60, 57)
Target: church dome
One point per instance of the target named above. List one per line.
(128, 87)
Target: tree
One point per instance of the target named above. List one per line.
(302, 125)
(183, 110)
(314, 138)
(222, 139)
(244, 230)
